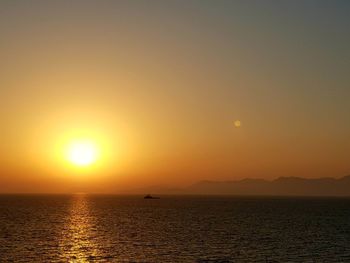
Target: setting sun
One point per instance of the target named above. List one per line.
(174, 131)
(82, 153)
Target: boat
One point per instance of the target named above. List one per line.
(151, 197)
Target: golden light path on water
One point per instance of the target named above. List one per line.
(77, 242)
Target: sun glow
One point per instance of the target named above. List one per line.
(82, 153)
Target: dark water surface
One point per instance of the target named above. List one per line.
(84, 228)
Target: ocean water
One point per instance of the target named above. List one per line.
(91, 228)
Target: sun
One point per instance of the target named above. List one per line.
(82, 153)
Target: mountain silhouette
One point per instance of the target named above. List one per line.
(282, 186)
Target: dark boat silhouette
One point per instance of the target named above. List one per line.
(151, 197)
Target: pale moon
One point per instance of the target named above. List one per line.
(237, 123)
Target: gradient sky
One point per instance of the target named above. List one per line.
(160, 84)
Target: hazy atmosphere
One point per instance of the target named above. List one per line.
(175, 131)
(106, 96)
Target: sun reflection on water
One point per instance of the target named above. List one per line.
(77, 241)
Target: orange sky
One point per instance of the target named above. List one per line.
(158, 87)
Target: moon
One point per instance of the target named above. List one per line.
(237, 123)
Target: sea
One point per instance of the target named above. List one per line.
(114, 228)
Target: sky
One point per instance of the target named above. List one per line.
(158, 86)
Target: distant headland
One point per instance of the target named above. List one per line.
(282, 186)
